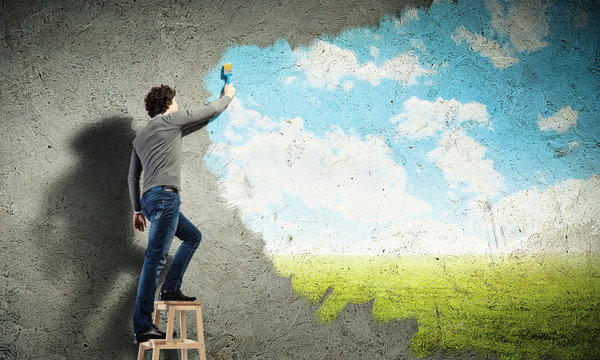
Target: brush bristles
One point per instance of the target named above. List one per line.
(227, 68)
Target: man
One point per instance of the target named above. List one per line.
(157, 151)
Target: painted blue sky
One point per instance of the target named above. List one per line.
(432, 133)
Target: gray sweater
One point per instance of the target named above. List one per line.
(157, 148)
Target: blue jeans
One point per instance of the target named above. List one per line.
(162, 209)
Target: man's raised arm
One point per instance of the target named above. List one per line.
(205, 112)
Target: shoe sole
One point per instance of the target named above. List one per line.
(143, 340)
(136, 341)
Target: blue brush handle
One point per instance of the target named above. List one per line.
(228, 76)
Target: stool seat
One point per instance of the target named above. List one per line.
(162, 305)
(182, 343)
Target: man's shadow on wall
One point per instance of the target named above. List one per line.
(92, 256)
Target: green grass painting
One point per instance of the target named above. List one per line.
(511, 306)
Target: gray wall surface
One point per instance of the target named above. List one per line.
(74, 74)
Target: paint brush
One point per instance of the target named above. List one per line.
(227, 71)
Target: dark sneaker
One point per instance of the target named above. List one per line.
(152, 333)
(166, 295)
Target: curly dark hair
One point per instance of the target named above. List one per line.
(158, 99)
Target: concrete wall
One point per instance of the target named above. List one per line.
(74, 75)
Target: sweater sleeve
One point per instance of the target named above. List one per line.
(135, 170)
(185, 118)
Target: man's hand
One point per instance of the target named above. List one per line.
(229, 90)
(139, 221)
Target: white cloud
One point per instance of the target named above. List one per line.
(452, 196)
(341, 172)
(418, 44)
(374, 51)
(573, 144)
(325, 64)
(427, 236)
(408, 14)
(422, 118)
(411, 237)
(559, 218)
(461, 159)
(241, 117)
(561, 121)
(524, 23)
(289, 80)
(232, 136)
(501, 57)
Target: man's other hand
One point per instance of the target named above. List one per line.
(229, 90)
(139, 221)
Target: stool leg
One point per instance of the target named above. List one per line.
(156, 317)
(183, 333)
(141, 352)
(200, 330)
(155, 352)
(182, 324)
(170, 325)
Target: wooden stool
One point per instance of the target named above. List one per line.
(182, 343)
